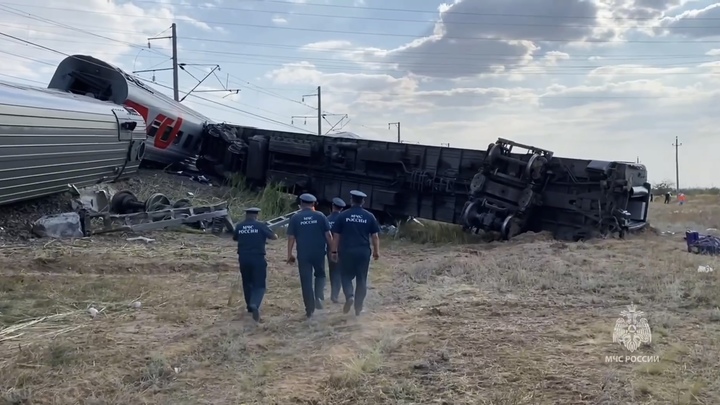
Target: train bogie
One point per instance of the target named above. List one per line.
(49, 139)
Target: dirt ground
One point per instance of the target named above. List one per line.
(524, 322)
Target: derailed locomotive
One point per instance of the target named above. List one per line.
(510, 188)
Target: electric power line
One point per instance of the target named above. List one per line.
(470, 94)
(467, 56)
(265, 91)
(369, 33)
(401, 10)
(257, 88)
(31, 16)
(422, 21)
(193, 95)
(434, 68)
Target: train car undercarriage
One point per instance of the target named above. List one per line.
(511, 188)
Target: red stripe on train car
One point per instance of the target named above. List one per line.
(159, 143)
(142, 110)
(163, 144)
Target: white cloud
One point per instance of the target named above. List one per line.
(279, 20)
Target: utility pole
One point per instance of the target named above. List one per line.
(397, 124)
(319, 107)
(677, 146)
(176, 80)
(320, 115)
(175, 69)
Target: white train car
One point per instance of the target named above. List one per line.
(174, 130)
(49, 139)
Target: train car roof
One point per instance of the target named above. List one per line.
(31, 96)
(125, 86)
(345, 134)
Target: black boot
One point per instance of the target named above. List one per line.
(348, 305)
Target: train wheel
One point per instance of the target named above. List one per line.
(511, 227)
(122, 202)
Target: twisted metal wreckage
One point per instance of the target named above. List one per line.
(510, 188)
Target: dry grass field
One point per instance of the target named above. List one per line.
(524, 322)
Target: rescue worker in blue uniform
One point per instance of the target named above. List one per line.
(355, 229)
(310, 230)
(334, 271)
(251, 236)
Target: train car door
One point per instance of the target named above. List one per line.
(131, 125)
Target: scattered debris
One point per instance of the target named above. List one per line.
(702, 244)
(202, 179)
(216, 216)
(94, 198)
(705, 269)
(67, 225)
(93, 312)
(135, 305)
(281, 221)
(390, 230)
(123, 211)
(142, 238)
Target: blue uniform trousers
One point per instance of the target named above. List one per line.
(253, 271)
(335, 280)
(355, 266)
(309, 267)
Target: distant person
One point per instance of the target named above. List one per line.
(353, 232)
(251, 236)
(681, 198)
(310, 229)
(652, 197)
(334, 271)
(667, 198)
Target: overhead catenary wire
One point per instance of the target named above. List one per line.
(467, 58)
(369, 33)
(348, 66)
(329, 64)
(193, 95)
(433, 12)
(269, 90)
(402, 94)
(437, 67)
(38, 18)
(27, 15)
(336, 49)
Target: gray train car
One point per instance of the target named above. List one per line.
(50, 138)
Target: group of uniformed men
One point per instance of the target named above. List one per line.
(345, 237)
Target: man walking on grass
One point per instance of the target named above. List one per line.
(353, 232)
(251, 236)
(335, 277)
(310, 230)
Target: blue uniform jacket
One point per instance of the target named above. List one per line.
(355, 225)
(309, 228)
(251, 237)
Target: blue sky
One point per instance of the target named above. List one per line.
(604, 79)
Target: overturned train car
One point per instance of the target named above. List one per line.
(173, 129)
(510, 188)
(49, 139)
